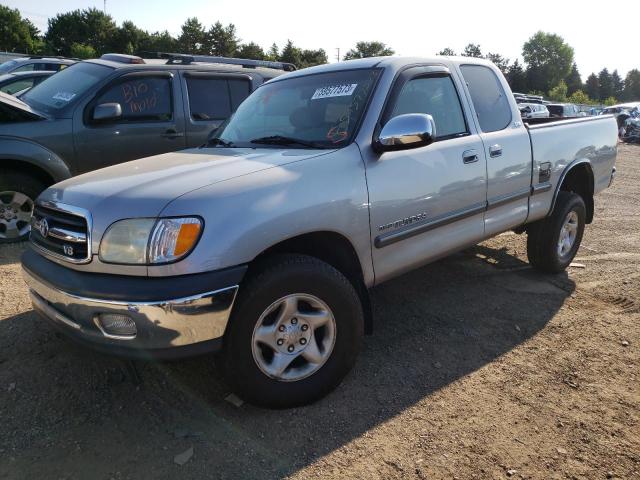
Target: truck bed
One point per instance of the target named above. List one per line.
(558, 144)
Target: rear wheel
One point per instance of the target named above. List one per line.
(294, 333)
(18, 192)
(553, 242)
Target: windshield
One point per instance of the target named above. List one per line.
(314, 111)
(65, 87)
(7, 66)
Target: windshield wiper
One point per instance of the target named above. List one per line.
(212, 142)
(282, 140)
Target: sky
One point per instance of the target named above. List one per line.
(415, 28)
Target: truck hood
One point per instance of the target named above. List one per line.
(142, 188)
(19, 108)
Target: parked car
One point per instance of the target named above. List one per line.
(262, 245)
(118, 108)
(533, 110)
(564, 110)
(19, 82)
(36, 63)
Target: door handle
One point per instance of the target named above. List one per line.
(469, 156)
(171, 133)
(495, 150)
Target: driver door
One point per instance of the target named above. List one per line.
(427, 201)
(150, 123)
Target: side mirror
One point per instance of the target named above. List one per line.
(411, 130)
(107, 111)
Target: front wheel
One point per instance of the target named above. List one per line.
(553, 242)
(18, 192)
(294, 333)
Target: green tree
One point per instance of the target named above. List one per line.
(580, 98)
(472, 50)
(548, 58)
(369, 49)
(16, 33)
(157, 42)
(632, 85)
(192, 36)
(221, 41)
(517, 77)
(309, 58)
(499, 61)
(559, 92)
(610, 101)
(291, 54)
(447, 52)
(618, 85)
(605, 85)
(273, 54)
(592, 87)
(574, 80)
(91, 27)
(251, 50)
(79, 50)
(128, 38)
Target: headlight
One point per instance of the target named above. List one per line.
(149, 241)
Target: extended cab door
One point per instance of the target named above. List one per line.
(506, 145)
(152, 121)
(210, 98)
(428, 201)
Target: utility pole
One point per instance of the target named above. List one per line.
(337, 49)
(104, 7)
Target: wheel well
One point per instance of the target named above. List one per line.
(334, 249)
(26, 167)
(580, 180)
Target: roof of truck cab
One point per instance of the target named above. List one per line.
(155, 64)
(386, 62)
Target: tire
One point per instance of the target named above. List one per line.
(543, 236)
(18, 191)
(248, 363)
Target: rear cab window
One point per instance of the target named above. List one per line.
(489, 99)
(214, 97)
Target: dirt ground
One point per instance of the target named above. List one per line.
(478, 368)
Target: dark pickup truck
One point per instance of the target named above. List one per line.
(117, 108)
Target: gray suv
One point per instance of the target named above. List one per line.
(100, 112)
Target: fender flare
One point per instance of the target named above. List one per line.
(22, 150)
(563, 175)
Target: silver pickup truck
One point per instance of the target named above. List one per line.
(263, 244)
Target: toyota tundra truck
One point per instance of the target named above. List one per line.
(262, 245)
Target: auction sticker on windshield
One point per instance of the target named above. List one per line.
(334, 91)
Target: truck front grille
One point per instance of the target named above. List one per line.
(61, 231)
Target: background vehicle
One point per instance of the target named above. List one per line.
(533, 110)
(325, 182)
(17, 82)
(564, 110)
(36, 63)
(118, 108)
(631, 128)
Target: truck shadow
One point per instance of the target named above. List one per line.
(432, 327)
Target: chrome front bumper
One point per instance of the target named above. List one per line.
(160, 325)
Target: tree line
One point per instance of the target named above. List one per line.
(549, 68)
(90, 33)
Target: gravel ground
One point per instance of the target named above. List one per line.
(478, 368)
